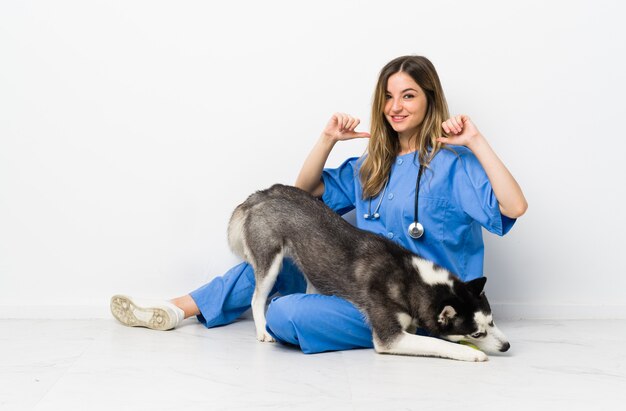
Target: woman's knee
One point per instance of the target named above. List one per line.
(281, 318)
(317, 323)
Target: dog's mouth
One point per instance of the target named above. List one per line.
(489, 343)
(492, 346)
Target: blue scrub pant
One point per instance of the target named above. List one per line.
(315, 323)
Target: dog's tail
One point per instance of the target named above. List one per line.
(236, 233)
(237, 225)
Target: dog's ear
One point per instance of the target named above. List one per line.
(446, 315)
(476, 286)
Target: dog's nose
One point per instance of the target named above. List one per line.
(505, 347)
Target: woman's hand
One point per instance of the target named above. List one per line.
(341, 127)
(461, 131)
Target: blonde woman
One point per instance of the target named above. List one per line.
(462, 187)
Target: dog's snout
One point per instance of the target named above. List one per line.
(505, 347)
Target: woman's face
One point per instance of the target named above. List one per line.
(405, 105)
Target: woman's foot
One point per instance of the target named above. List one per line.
(157, 315)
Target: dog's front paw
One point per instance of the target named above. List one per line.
(476, 356)
(480, 356)
(470, 354)
(265, 337)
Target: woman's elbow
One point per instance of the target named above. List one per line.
(316, 191)
(517, 211)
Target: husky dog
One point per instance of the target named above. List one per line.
(396, 289)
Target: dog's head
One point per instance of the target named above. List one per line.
(466, 316)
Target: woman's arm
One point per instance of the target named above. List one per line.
(509, 194)
(340, 127)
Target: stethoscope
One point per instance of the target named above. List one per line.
(416, 229)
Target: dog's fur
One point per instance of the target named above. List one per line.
(396, 289)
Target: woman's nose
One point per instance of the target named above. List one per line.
(396, 105)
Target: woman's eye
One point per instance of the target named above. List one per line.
(387, 97)
(408, 96)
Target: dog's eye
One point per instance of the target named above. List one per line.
(491, 324)
(477, 335)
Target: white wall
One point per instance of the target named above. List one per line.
(129, 130)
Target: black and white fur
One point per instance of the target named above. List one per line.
(396, 289)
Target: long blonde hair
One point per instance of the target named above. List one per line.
(384, 144)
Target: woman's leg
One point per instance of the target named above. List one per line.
(225, 298)
(217, 303)
(318, 323)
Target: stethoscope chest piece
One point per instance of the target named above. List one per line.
(416, 230)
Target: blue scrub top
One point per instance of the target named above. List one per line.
(455, 201)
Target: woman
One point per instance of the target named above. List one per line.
(414, 143)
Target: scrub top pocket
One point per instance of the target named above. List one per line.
(432, 213)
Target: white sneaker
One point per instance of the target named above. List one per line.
(157, 315)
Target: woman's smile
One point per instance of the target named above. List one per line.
(398, 119)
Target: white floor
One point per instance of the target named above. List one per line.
(102, 365)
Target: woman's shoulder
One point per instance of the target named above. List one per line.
(354, 162)
(349, 168)
(452, 153)
(455, 156)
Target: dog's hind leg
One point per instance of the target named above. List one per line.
(265, 276)
(310, 288)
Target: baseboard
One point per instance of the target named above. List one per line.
(520, 311)
(55, 312)
(501, 311)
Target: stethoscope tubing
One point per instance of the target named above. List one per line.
(416, 229)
